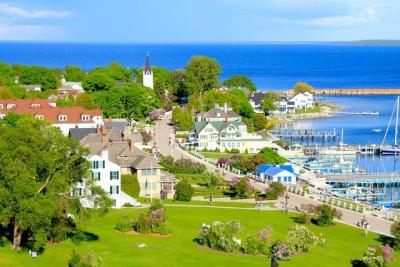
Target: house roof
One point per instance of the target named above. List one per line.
(80, 133)
(274, 170)
(116, 123)
(218, 112)
(31, 87)
(218, 125)
(48, 110)
(257, 98)
(120, 151)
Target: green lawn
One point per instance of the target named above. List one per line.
(344, 243)
(218, 155)
(214, 203)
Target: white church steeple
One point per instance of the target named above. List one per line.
(148, 74)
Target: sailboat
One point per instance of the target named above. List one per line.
(394, 149)
(342, 150)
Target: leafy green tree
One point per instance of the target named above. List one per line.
(260, 121)
(183, 191)
(326, 214)
(97, 82)
(130, 185)
(131, 101)
(118, 72)
(39, 166)
(270, 156)
(183, 118)
(39, 75)
(302, 87)
(240, 81)
(202, 74)
(275, 190)
(395, 231)
(178, 80)
(5, 93)
(74, 74)
(85, 100)
(269, 102)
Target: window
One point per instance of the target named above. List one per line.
(62, 117)
(1, 106)
(10, 106)
(96, 164)
(279, 178)
(40, 117)
(114, 175)
(285, 179)
(77, 192)
(114, 189)
(34, 105)
(289, 179)
(149, 172)
(85, 117)
(96, 176)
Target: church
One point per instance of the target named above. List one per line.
(148, 74)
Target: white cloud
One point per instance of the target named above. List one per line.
(353, 19)
(19, 12)
(26, 32)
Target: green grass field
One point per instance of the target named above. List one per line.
(218, 155)
(344, 243)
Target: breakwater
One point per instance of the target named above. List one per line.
(359, 91)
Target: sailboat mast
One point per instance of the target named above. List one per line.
(397, 122)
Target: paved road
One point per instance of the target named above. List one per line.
(162, 136)
(377, 225)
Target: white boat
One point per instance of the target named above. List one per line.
(395, 148)
(342, 150)
(376, 130)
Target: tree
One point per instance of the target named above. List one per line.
(275, 190)
(395, 231)
(260, 121)
(183, 191)
(118, 72)
(5, 93)
(85, 100)
(39, 75)
(131, 101)
(39, 166)
(241, 81)
(74, 74)
(269, 102)
(241, 188)
(183, 118)
(270, 156)
(325, 215)
(130, 185)
(202, 74)
(97, 82)
(302, 87)
(178, 80)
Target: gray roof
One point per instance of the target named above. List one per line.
(31, 87)
(116, 123)
(80, 133)
(213, 113)
(147, 68)
(218, 125)
(257, 98)
(120, 151)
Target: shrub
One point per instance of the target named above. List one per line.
(301, 239)
(88, 260)
(125, 224)
(152, 222)
(183, 191)
(372, 259)
(303, 218)
(130, 185)
(220, 236)
(182, 166)
(386, 252)
(325, 215)
(258, 244)
(275, 190)
(240, 188)
(280, 251)
(395, 231)
(213, 179)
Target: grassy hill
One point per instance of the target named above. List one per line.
(343, 243)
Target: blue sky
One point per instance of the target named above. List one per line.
(176, 21)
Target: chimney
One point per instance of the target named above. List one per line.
(127, 133)
(104, 138)
(104, 154)
(131, 145)
(97, 129)
(225, 107)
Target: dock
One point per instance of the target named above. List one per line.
(305, 134)
(358, 91)
(364, 113)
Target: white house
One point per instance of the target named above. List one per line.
(219, 114)
(299, 101)
(256, 100)
(279, 173)
(107, 175)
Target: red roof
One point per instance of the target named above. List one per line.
(46, 109)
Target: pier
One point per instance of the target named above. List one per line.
(305, 134)
(359, 91)
(365, 113)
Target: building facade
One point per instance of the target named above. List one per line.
(276, 173)
(148, 74)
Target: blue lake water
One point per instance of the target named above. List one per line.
(270, 66)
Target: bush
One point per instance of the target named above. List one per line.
(275, 190)
(88, 260)
(301, 239)
(182, 166)
(280, 251)
(386, 252)
(258, 244)
(213, 179)
(372, 259)
(220, 236)
(130, 185)
(125, 224)
(325, 215)
(183, 191)
(303, 218)
(240, 188)
(395, 231)
(152, 222)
